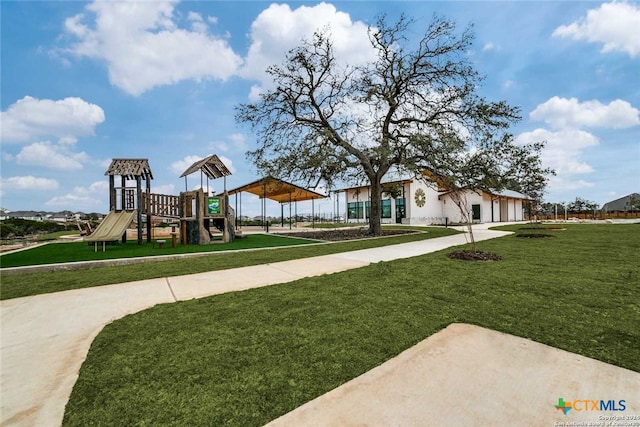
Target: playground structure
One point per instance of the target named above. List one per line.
(195, 211)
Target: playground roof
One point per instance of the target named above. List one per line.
(278, 190)
(211, 166)
(130, 168)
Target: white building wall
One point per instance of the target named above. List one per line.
(431, 212)
(509, 210)
(452, 211)
(517, 212)
(485, 208)
(439, 208)
(482, 199)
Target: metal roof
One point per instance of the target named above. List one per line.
(510, 194)
(130, 168)
(211, 166)
(278, 190)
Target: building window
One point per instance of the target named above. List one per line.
(386, 208)
(401, 210)
(367, 209)
(354, 210)
(475, 211)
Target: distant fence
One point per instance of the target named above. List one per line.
(584, 216)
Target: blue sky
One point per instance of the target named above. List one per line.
(83, 83)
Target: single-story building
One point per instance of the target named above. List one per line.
(413, 201)
(628, 203)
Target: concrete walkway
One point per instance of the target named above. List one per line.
(45, 338)
(466, 375)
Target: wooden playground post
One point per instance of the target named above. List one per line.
(147, 208)
(139, 206)
(112, 193)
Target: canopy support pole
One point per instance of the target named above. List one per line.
(264, 206)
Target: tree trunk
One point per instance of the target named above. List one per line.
(375, 227)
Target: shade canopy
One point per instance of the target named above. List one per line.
(130, 168)
(211, 166)
(278, 190)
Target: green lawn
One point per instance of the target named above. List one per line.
(245, 358)
(82, 251)
(14, 286)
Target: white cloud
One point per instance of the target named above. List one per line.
(180, 166)
(562, 153)
(52, 156)
(228, 163)
(163, 189)
(616, 25)
(28, 183)
(239, 141)
(66, 119)
(564, 113)
(279, 29)
(197, 23)
(220, 146)
(144, 48)
(236, 142)
(489, 46)
(82, 198)
(255, 92)
(560, 183)
(507, 84)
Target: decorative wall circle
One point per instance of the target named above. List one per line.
(420, 197)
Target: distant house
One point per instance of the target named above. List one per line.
(27, 215)
(623, 204)
(412, 201)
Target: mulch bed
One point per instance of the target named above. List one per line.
(345, 234)
(533, 235)
(474, 256)
(542, 228)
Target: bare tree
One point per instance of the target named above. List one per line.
(326, 121)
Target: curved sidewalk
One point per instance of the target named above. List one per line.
(45, 338)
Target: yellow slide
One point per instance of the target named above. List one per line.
(112, 227)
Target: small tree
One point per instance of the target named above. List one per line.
(633, 204)
(326, 121)
(492, 165)
(580, 205)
